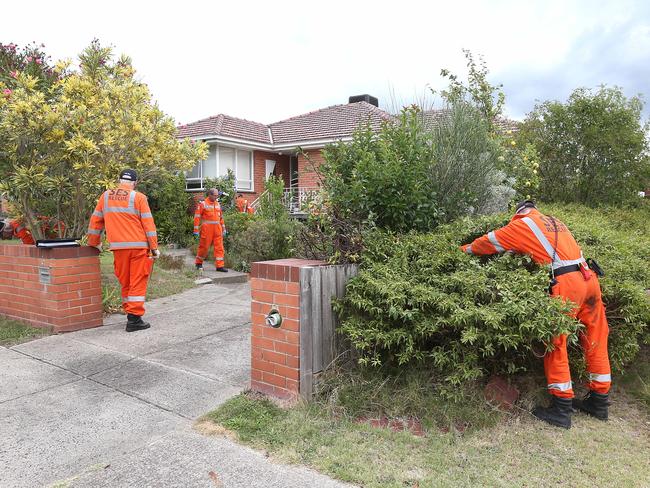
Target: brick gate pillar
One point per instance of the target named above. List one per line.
(275, 352)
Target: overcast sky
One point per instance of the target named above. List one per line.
(273, 59)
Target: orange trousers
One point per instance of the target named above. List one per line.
(133, 268)
(211, 235)
(590, 310)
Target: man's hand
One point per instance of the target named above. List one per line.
(225, 232)
(99, 247)
(155, 254)
(196, 235)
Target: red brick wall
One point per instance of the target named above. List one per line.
(307, 177)
(72, 300)
(275, 352)
(259, 169)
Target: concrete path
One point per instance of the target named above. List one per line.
(209, 273)
(101, 407)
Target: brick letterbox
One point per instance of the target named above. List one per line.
(58, 288)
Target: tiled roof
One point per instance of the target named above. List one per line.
(333, 122)
(434, 118)
(227, 126)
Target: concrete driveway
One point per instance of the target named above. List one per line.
(101, 407)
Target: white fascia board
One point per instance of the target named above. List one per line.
(313, 144)
(238, 143)
(287, 146)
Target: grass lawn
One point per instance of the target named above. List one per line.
(168, 278)
(14, 332)
(503, 450)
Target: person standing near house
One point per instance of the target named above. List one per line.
(208, 217)
(548, 241)
(242, 205)
(131, 233)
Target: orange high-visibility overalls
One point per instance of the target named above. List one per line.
(242, 204)
(21, 232)
(131, 233)
(534, 234)
(210, 218)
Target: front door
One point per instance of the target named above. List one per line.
(270, 167)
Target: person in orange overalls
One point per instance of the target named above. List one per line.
(131, 233)
(209, 217)
(549, 242)
(242, 205)
(21, 232)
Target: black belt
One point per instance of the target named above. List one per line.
(566, 269)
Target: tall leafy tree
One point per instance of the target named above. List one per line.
(63, 143)
(593, 148)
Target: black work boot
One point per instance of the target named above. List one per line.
(135, 323)
(594, 404)
(558, 414)
(199, 266)
(222, 270)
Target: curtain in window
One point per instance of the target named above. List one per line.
(226, 160)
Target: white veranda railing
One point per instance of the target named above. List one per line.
(295, 200)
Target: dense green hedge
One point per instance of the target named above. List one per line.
(418, 298)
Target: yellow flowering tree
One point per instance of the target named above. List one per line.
(61, 146)
(521, 163)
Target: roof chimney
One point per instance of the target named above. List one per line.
(364, 98)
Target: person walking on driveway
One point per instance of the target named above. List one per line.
(209, 218)
(131, 233)
(548, 241)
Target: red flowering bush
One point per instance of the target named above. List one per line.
(30, 60)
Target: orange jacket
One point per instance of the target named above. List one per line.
(208, 213)
(21, 232)
(127, 217)
(242, 204)
(533, 234)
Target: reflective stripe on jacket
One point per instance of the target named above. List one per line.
(208, 213)
(533, 234)
(127, 218)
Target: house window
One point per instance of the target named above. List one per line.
(244, 170)
(226, 160)
(220, 160)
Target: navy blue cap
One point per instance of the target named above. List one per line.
(129, 174)
(524, 204)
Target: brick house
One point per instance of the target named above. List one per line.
(254, 150)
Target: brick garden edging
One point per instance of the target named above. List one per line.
(58, 288)
(275, 353)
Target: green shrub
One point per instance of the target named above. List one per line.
(268, 234)
(172, 208)
(593, 148)
(260, 240)
(417, 298)
(409, 177)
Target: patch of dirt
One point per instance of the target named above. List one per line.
(206, 427)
